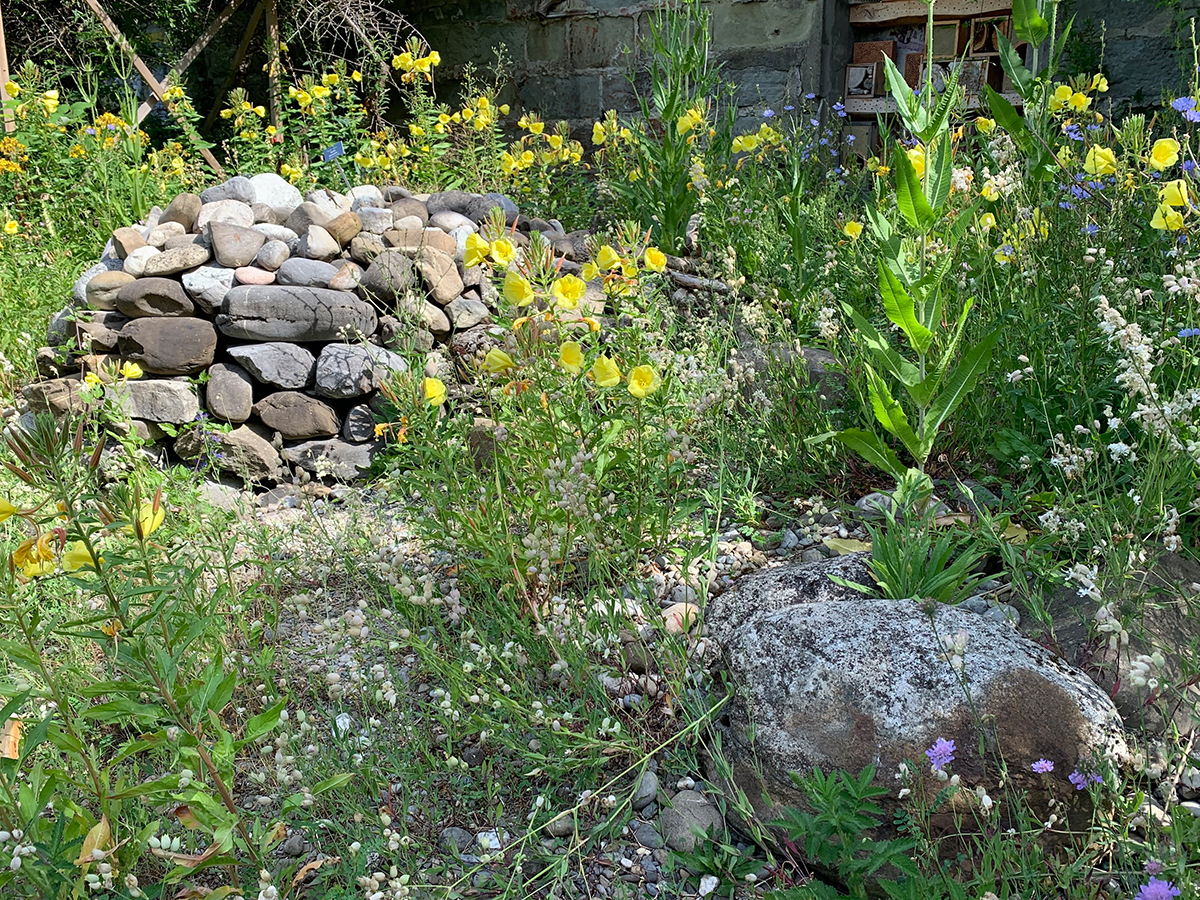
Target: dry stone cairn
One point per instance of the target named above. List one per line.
(280, 315)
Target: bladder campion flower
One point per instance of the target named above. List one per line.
(643, 381)
(570, 357)
(852, 230)
(605, 372)
(1100, 161)
(434, 390)
(498, 361)
(654, 259)
(1164, 154)
(517, 290)
(568, 291)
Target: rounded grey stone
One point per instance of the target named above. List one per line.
(277, 364)
(277, 312)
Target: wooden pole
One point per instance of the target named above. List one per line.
(147, 75)
(188, 58)
(9, 123)
(255, 18)
(273, 63)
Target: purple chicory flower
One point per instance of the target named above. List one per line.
(1043, 766)
(1188, 166)
(1081, 780)
(788, 108)
(1192, 115)
(849, 139)
(1189, 332)
(810, 96)
(941, 754)
(1158, 889)
(1091, 229)
(768, 113)
(1183, 104)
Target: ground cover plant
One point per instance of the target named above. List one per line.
(491, 670)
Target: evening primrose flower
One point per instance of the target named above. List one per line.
(77, 557)
(503, 252)
(852, 230)
(1079, 102)
(643, 381)
(608, 258)
(1166, 218)
(131, 370)
(591, 271)
(356, 76)
(985, 125)
(7, 510)
(1099, 83)
(477, 250)
(744, 143)
(1164, 154)
(568, 291)
(12, 88)
(605, 372)
(1100, 161)
(149, 517)
(693, 118)
(92, 379)
(11, 226)
(517, 290)
(330, 79)
(916, 156)
(434, 390)
(1174, 193)
(1059, 98)
(570, 357)
(654, 260)
(497, 361)
(598, 133)
(987, 221)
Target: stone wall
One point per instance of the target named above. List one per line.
(569, 58)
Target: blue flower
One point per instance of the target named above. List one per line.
(810, 96)
(1188, 166)
(1158, 889)
(1065, 204)
(814, 122)
(1072, 131)
(1192, 115)
(768, 113)
(788, 108)
(840, 109)
(941, 754)
(1091, 229)
(1183, 104)
(849, 139)
(1043, 766)
(1189, 332)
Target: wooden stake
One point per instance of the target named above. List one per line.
(188, 58)
(273, 63)
(9, 123)
(255, 18)
(147, 75)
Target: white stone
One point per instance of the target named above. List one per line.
(275, 191)
(135, 262)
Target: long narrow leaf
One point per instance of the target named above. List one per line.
(873, 450)
(877, 344)
(890, 413)
(901, 312)
(960, 383)
(910, 196)
(941, 174)
(1014, 67)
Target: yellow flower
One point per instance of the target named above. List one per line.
(987, 221)
(598, 133)
(149, 518)
(1174, 193)
(852, 230)
(434, 390)
(989, 192)
(11, 226)
(36, 567)
(498, 361)
(404, 61)
(477, 250)
(503, 252)
(12, 88)
(1099, 83)
(693, 118)
(91, 378)
(568, 291)
(356, 76)
(6, 509)
(1100, 161)
(1164, 154)
(1079, 102)
(1063, 93)
(517, 290)
(654, 259)
(504, 108)
(643, 381)
(537, 127)
(1167, 218)
(591, 271)
(131, 370)
(605, 372)
(330, 79)
(744, 143)
(77, 557)
(608, 258)
(259, 111)
(916, 156)
(304, 98)
(985, 125)
(629, 268)
(320, 91)
(271, 129)
(570, 357)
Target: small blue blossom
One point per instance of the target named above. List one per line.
(1183, 104)
(810, 96)
(849, 139)
(814, 122)
(1158, 889)
(768, 113)
(941, 754)
(840, 109)
(1091, 229)
(1072, 131)
(788, 108)
(1192, 115)
(1188, 166)
(1043, 767)
(1189, 332)
(1065, 204)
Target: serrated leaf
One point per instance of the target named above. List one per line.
(1014, 67)
(940, 175)
(960, 383)
(1028, 22)
(889, 412)
(877, 345)
(907, 103)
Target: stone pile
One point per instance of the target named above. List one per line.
(288, 310)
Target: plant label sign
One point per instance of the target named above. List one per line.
(329, 154)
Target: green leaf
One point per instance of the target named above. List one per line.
(910, 195)
(907, 103)
(947, 103)
(333, 783)
(873, 450)
(901, 312)
(877, 344)
(263, 723)
(1028, 22)
(889, 412)
(923, 392)
(960, 383)
(941, 174)
(1010, 120)
(1014, 67)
